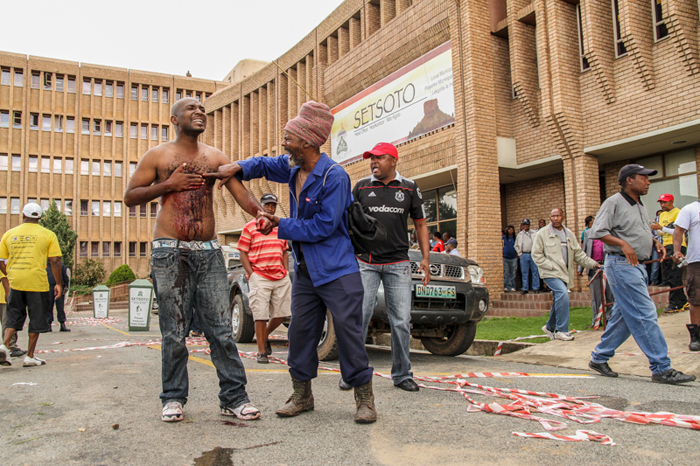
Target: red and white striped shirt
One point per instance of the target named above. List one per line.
(265, 252)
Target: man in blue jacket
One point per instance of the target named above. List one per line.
(327, 274)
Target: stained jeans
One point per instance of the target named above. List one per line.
(185, 279)
(510, 266)
(396, 279)
(527, 265)
(559, 314)
(634, 313)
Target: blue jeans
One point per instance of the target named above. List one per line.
(396, 279)
(187, 281)
(559, 314)
(527, 265)
(655, 269)
(510, 266)
(634, 313)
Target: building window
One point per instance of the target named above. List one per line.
(36, 79)
(144, 131)
(83, 249)
(620, 48)
(46, 122)
(84, 208)
(143, 210)
(17, 120)
(4, 119)
(33, 163)
(16, 163)
(57, 165)
(71, 84)
(58, 123)
(97, 127)
(5, 76)
(4, 162)
(95, 249)
(133, 131)
(107, 168)
(154, 209)
(117, 249)
(34, 121)
(132, 168)
(84, 167)
(188, 94)
(14, 205)
(86, 86)
(19, 78)
(69, 166)
(134, 92)
(108, 128)
(106, 208)
(95, 168)
(178, 95)
(117, 208)
(132, 211)
(441, 210)
(154, 133)
(95, 208)
(118, 129)
(120, 90)
(166, 96)
(3, 205)
(98, 87)
(70, 124)
(46, 165)
(132, 248)
(44, 203)
(164, 132)
(154, 94)
(118, 169)
(58, 204)
(109, 89)
(142, 249)
(59, 83)
(660, 28)
(144, 93)
(86, 126)
(677, 175)
(68, 210)
(106, 249)
(47, 81)
(32, 201)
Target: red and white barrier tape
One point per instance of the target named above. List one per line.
(581, 436)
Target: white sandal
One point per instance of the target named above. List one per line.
(244, 412)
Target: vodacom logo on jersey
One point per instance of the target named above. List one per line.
(391, 210)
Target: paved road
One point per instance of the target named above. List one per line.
(66, 416)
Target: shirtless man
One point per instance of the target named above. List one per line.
(187, 265)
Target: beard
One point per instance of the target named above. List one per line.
(295, 161)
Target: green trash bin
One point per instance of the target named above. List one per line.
(100, 302)
(140, 301)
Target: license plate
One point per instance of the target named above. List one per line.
(434, 291)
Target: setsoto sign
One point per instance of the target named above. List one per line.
(415, 100)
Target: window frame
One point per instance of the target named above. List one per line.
(620, 47)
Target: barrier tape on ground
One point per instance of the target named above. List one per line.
(499, 348)
(93, 321)
(581, 436)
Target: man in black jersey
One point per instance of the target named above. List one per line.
(391, 198)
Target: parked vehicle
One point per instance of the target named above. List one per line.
(444, 314)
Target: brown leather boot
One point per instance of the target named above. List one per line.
(301, 400)
(364, 399)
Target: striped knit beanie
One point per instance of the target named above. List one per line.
(313, 124)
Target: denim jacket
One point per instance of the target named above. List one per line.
(320, 222)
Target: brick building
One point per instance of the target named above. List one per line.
(551, 98)
(73, 133)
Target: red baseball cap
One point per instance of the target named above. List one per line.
(381, 149)
(665, 198)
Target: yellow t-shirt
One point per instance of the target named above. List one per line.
(2, 289)
(664, 219)
(27, 247)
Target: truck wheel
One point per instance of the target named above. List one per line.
(328, 344)
(242, 324)
(459, 338)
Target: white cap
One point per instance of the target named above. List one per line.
(32, 210)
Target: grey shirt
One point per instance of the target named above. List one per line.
(624, 218)
(564, 247)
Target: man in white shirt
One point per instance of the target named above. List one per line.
(689, 220)
(523, 246)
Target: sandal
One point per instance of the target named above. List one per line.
(244, 412)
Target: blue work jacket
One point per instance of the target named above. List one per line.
(320, 222)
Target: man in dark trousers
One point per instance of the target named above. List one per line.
(59, 302)
(391, 199)
(623, 225)
(327, 275)
(671, 274)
